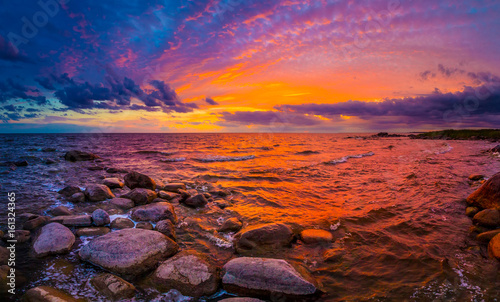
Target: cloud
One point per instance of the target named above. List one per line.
(267, 118)
(425, 75)
(449, 71)
(9, 53)
(210, 101)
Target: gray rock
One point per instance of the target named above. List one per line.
(73, 220)
(122, 203)
(241, 299)
(112, 183)
(137, 180)
(266, 236)
(140, 196)
(144, 225)
(75, 155)
(196, 201)
(98, 193)
(167, 195)
(100, 217)
(129, 252)
(77, 197)
(54, 238)
(166, 227)
(122, 223)
(174, 187)
(46, 294)
(60, 211)
(113, 287)
(92, 231)
(487, 218)
(20, 236)
(263, 276)
(35, 222)
(154, 212)
(69, 190)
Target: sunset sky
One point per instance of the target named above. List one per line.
(248, 66)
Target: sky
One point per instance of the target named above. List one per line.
(248, 66)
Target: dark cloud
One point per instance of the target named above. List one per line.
(449, 71)
(210, 101)
(9, 53)
(268, 118)
(427, 75)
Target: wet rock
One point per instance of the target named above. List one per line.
(189, 272)
(476, 177)
(20, 236)
(487, 236)
(113, 287)
(263, 236)
(98, 193)
(77, 197)
(74, 220)
(46, 294)
(174, 187)
(137, 180)
(265, 276)
(231, 225)
(54, 238)
(167, 195)
(50, 161)
(129, 252)
(154, 212)
(122, 203)
(122, 223)
(241, 299)
(196, 201)
(69, 190)
(478, 229)
(471, 211)
(49, 150)
(144, 225)
(4, 255)
(92, 231)
(140, 196)
(166, 227)
(495, 149)
(487, 218)
(314, 236)
(21, 163)
(75, 155)
(112, 183)
(222, 204)
(218, 192)
(60, 211)
(36, 222)
(100, 217)
(95, 168)
(494, 247)
(488, 195)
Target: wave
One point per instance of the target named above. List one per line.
(173, 160)
(218, 158)
(153, 152)
(346, 158)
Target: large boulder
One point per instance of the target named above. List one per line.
(54, 238)
(46, 294)
(488, 195)
(129, 252)
(263, 236)
(98, 192)
(265, 276)
(196, 201)
(113, 287)
(75, 155)
(487, 218)
(189, 272)
(154, 212)
(494, 247)
(122, 203)
(140, 196)
(100, 217)
(137, 180)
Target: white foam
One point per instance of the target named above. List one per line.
(345, 158)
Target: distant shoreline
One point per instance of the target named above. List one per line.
(465, 134)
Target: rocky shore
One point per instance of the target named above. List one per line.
(127, 231)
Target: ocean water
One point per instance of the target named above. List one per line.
(395, 206)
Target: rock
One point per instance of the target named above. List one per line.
(487, 236)
(77, 197)
(333, 255)
(129, 252)
(46, 294)
(196, 201)
(241, 299)
(113, 287)
(60, 211)
(154, 212)
(137, 180)
(495, 149)
(74, 220)
(112, 183)
(140, 196)
(122, 223)
(144, 225)
(98, 193)
(100, 217)
(231, 225)
(95, 168)
(4, 279)
(471, 211)
(488, 195)
(263, 236)
(92, 231)
(4, 255)
(122, 203)
(54, 238)
(21, 163)
(167, 195)
(265, 276)
(49, 150)
(189, 272)
(112, 170)
(34, 223)
(20, 236)
(75, 155)
(494, 247)
(222, 204)
(166, 227)
(487, 218)
(50, 161)
(218, 192)
(476, 177)
(478, 229)
(313, 236)
(69, 190)
(174, 187)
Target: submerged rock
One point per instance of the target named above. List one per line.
(189, 272)
(265, 276)
(113, 287)
(112, 183)
(122, 203)
(174, 187)
(54, 238)
(69, 190)
(46, 294)
(98, 193)
(196, 201)
(231, 225)
(129, 252)
(487, 218)
(122, 223)
(154, 212)
(100, 217)
(140, 196)
(494, 247)
(137, 180)
(488, 195)
(75, 155)
(263, 236)
(313, 236)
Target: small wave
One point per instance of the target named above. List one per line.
(346, 158)
(307, 152)
(172, 160)
(154, 152)
(218, 158)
